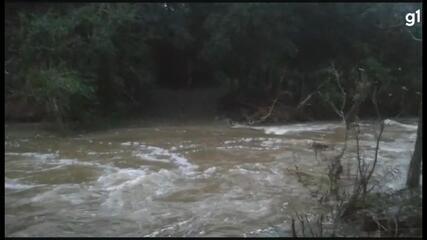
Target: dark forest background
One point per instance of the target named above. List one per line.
(73, 62)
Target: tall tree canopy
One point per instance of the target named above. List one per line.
(103, 57)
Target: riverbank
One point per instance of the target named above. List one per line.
(192, 106)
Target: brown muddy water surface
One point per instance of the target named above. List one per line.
(196, 180)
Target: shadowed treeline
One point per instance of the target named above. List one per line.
(76, 61)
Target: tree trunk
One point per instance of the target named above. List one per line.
(414, 171)
(189, 74)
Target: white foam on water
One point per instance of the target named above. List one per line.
(292, 128)
(241, 170)
(247, 139)
(271, 143)
(210, 171)
(368, 135)
(64, 162)
(393, 148)
(42, 162)
(152, 153)
(121, 178)
(133, 187)
(41, 156)
(15, 185)
(100, 153)
(185, 147)
(72, 193)
(126, 143)
(238, 125)
(396, 123)
(183, 163)
(395, 185)
(67, 162)
(413, 136)
(12, 154)
(254, 144)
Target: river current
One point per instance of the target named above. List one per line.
(195, 180)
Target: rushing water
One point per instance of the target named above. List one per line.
(198, 180)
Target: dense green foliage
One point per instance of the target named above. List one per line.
(96, 58)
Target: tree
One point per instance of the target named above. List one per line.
(268, 53)
(414, 171)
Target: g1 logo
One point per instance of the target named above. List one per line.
(412, 18)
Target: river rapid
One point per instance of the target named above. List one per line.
(186, 180)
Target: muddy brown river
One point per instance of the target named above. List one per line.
(194, 180)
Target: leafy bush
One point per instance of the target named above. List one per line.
(63, 92)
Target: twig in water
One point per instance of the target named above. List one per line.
(321, 226)
(309, 225)
(301, 220)
(396, 228)
(294, 233)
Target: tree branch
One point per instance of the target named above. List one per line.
(413, 36)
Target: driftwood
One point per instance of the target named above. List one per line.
(261, 119)
(309, 96)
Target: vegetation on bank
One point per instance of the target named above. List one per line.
(352, 200)
(70, 62)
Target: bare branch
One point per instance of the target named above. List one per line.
(265, 117)
(359, 160)
(413, 36)
(321, 226)
(343, 94)
(376, 151)
(396, 227)
(309, 225)
(400, 25)
(381, 122)
(301, 220)
(303, 102)
(294, 233)
(376, 221)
